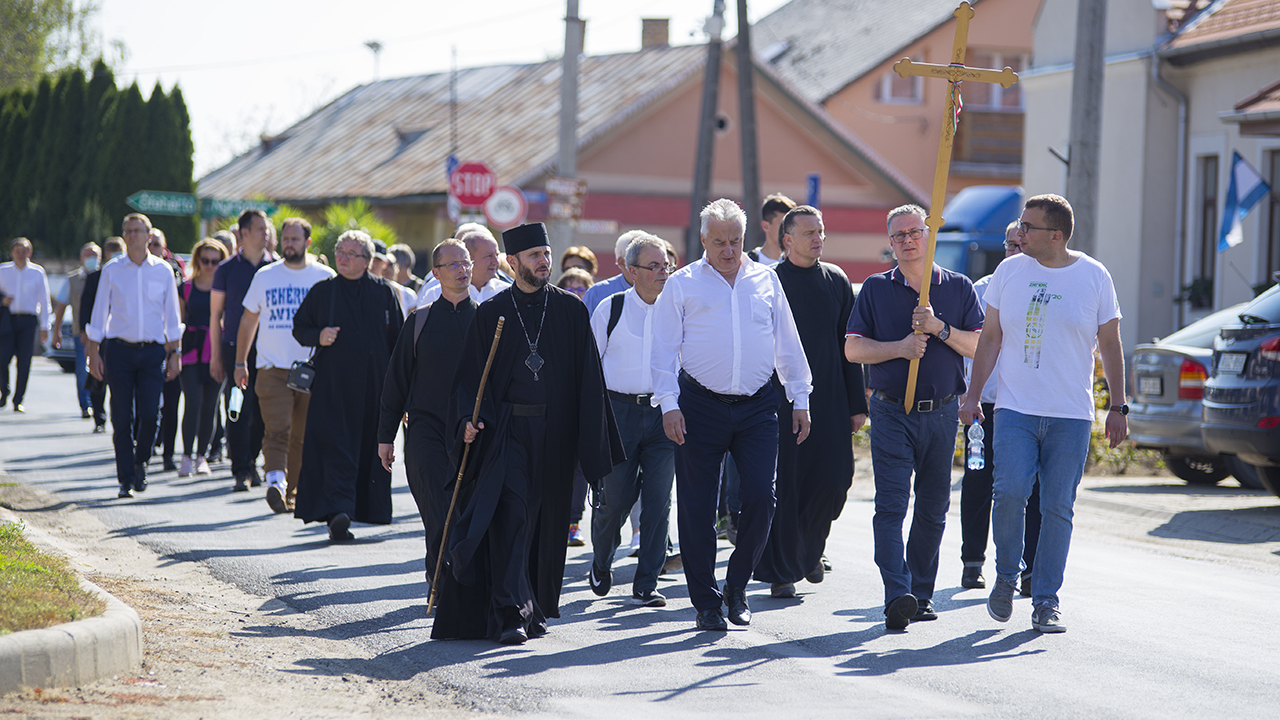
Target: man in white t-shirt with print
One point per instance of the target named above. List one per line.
(1046, 311)
(273, 297)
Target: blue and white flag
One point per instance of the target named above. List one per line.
(1243, 192)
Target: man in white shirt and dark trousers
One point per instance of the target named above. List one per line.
(135, 318)
(623, 328)
(26, 296)
(722, 326)
(274, 294)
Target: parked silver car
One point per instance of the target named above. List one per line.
(1165, 409)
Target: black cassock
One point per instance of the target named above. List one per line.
(421, 385)
(341, 471)
(814, 477)
(507, 544)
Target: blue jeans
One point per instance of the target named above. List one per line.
(921, 443)
(647, 474)
(82, 373)
(1056, 449)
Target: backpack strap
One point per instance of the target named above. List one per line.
(615, 313)
(419, 322)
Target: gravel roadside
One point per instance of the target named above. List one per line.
(210, 650)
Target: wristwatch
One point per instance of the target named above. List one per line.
(1122, 409)
(945, 332)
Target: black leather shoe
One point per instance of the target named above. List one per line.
(782, 591)
(168, 465)
(711, 620)
(513, 636)
(924, 612)
(971, 577)
(338, 528)
(140, 477)
(736, 600)
(537, 630)
(815, 575)
(900, 611)
(240, 486)
(1024, 588)
(124, 492)
(84, 414)
(600, 581)
(254, 479)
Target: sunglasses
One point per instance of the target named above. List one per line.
(210, 261)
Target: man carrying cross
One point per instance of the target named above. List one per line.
(882, 333)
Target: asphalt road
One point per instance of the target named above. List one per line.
(1168, 601)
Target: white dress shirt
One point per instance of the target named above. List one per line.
(136, 303)
(730, 338)
(626, 354)
(29, 288)
(430, 291)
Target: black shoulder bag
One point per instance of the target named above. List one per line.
(303, 372)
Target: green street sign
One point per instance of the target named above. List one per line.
(158, 202)
(155, 202)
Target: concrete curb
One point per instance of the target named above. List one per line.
(74, 653)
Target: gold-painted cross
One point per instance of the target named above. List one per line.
(955, 73)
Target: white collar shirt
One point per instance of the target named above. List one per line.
(29, 288)
(431, 291)
(730, 338)
(627, 353)
(136, 303)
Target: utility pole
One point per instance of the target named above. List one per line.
(562, 231)
(706, 133)
(376, 47)
(747, 117)
(1086, 122)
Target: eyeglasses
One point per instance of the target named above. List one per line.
(344, 255)
(455, 266)
(1024, 228)
(901, 237)
(657, 268)
(210, 261)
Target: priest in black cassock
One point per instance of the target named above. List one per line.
(544, 410)
(420, 382)
(353, 321)
(813, 478)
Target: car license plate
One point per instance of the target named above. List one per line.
(1151, 386)
(1231, 362)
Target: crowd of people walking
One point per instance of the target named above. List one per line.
(736, 381)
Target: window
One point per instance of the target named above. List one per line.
(1206, 228)
(989, 96)
(896, 89)
(1273, 216)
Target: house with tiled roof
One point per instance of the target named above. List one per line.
(840, 53)
(638, 118)
(1187, 84)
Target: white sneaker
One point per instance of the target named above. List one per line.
(187, 467)
(276, 478)
(202, 466)
(634, 548)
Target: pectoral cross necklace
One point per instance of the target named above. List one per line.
(534, 362)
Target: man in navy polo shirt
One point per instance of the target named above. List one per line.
(226, 303)
(881, 333)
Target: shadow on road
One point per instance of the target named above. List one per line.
(966, 650)
(1179, 488)
(1241, 526)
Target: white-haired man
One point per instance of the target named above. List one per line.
(721, 329)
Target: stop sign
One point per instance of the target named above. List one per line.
(472, 183)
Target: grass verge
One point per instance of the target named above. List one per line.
(38, 590)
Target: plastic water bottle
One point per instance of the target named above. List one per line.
(237, 400)
(976, 461)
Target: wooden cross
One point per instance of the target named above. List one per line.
(954, 73)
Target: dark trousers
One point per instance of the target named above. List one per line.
(430, 473)
(135, 375)
(98, 394)
(244, 434)
(748, 430)
(646, 475)
(902, 445)
(975, 503)
(201, 393)
(20, 343)
(171, 395)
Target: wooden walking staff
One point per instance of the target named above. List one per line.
(462, 466)
(955, 73)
